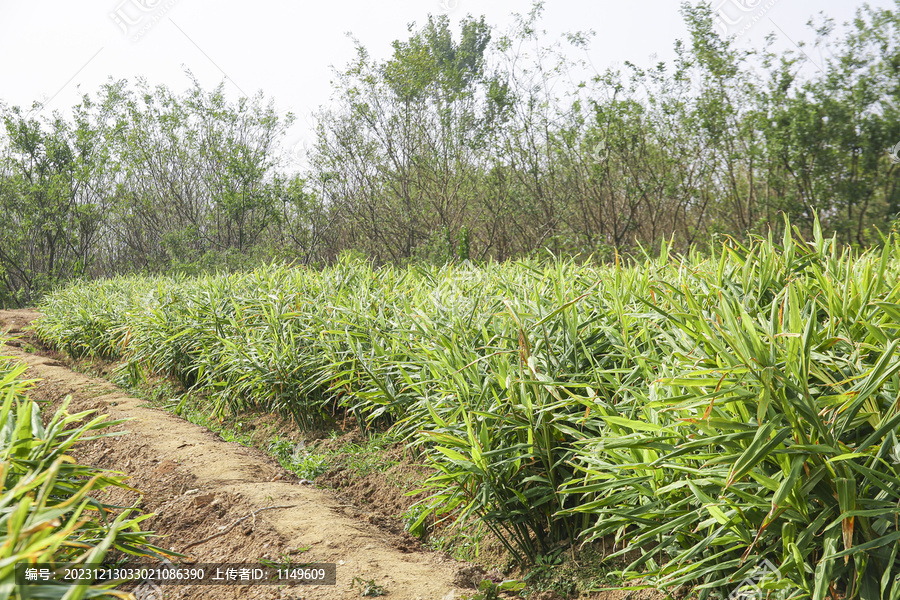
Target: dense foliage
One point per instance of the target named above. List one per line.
(705, 415)
(473, 144)
(48, 510)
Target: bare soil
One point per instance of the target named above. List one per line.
(197, 485)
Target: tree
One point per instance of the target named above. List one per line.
(406, 138)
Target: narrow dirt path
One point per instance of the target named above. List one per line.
(198, 485)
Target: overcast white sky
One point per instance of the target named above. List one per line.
(55, 50)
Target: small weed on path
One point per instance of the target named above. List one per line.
(488, 590)
(369, 587)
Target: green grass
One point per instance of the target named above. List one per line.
(304, 464)
(707, 414)
(309, 462)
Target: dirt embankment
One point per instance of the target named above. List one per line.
(198, 486)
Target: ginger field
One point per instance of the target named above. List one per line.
(724, 422)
